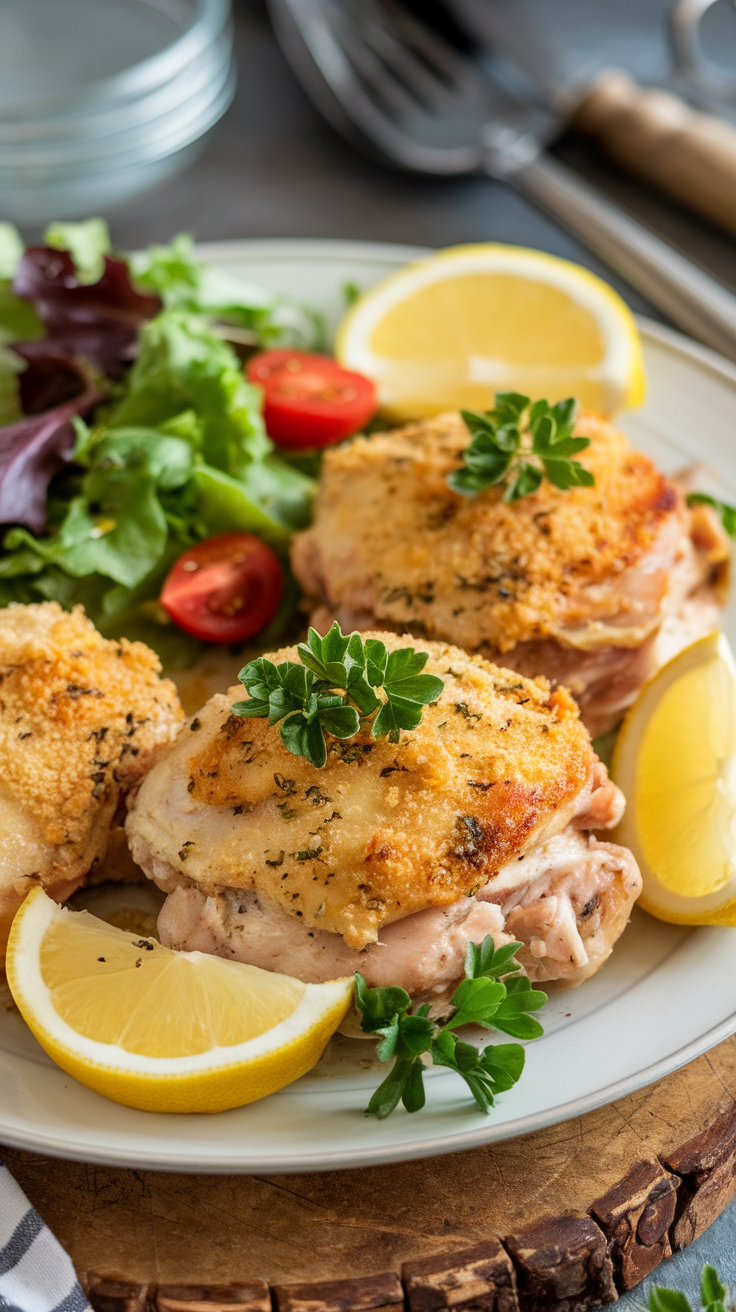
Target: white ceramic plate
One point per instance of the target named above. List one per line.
(666, 995)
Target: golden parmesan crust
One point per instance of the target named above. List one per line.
(497, 764)
(80, 721)
(391, 540)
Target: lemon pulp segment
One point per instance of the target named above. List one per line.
(450, 331)
(109, 986)
(675, 761)
(686, 786)
(161, 1030)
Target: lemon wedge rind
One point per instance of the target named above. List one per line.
(215, 1079)
(680, 786)
(384, 337)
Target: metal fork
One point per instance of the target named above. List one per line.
(396, 89)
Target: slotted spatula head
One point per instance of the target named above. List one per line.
(395, 88)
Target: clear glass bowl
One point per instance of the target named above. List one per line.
(100, 99)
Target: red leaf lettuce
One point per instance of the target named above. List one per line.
(96, 320)
(37, 446)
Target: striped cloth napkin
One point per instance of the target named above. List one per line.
(36, 1275)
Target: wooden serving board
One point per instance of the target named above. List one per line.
(556, 1221)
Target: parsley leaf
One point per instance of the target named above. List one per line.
(289, 692)
(407, 689)
(377, 1006)
(668, 1300)
(340, 662)
(711, 1289)
(726, 512)
(520, 444)
(480, 999)
(403, 1083)
(494, 1070)
(303, 694)
(483, 959)
(713, 1296)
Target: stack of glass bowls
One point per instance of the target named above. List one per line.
(100, 99)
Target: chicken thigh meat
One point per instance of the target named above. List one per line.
(593, 586)
(81, 720)
(391, 858)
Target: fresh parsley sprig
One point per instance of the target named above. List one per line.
(713, 1296)
(305, 699)
(519, 444)
(727, 513)
(482, 998)
(290, 692)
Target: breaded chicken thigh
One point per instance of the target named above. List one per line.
(81, 720)
(391, 858)
(595, 586)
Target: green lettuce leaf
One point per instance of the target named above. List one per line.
(88, 242)
(228, 504)
(18, 319)
(184, 370)
(11, 249)
(117, 525)
(183, 283)
(10, 366)
(181, 365)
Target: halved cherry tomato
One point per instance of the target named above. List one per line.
(225, 589)
(309, 399)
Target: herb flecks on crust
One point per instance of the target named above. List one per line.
(392, 544)
(401, 828)
(332, 689)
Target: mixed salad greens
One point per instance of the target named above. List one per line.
(129, 431)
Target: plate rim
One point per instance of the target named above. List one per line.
(324, 248)
(309, 1164)
(237, 1162)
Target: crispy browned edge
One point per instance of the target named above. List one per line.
(562, 1263)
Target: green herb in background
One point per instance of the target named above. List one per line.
(481, 999)
(303, 695)
(519, 444)
(727, 513)
(350, 293)
(713, 1296)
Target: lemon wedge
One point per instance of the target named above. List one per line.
(450, 331)
(675, 761)
(161, 1030)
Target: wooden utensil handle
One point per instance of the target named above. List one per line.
(689, 155)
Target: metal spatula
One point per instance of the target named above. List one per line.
(652, 133)
(395, 89)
